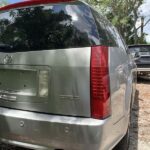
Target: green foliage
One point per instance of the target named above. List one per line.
(3, 3)
(123, 14)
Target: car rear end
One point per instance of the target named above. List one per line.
(54, 78)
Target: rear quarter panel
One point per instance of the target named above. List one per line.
(121, 80)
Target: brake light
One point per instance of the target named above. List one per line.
(30, 3)
(100, 92)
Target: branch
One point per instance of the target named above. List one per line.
(144, 24)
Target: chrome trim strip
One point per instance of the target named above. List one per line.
(143, 69)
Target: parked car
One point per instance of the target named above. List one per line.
(141, 54)
(66, 79)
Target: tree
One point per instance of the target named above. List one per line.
(123, 14)
(3, 3)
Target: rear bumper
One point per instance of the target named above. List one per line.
(42, 131)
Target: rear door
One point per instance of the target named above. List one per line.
(45, 58)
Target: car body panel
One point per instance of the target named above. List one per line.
(121, 83)
(43, 131)
(69, 93)
(62, 119)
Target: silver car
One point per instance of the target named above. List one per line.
(66, 79)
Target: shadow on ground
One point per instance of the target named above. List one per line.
(143, 80)
(134, 123)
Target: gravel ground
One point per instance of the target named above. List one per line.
(140, 124)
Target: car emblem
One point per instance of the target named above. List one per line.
(7, 59)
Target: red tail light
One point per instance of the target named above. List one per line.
(100, 94)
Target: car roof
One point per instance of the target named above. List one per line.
(31, 3)
(139, 45)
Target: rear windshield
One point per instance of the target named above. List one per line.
(56, 26)
(140, 49)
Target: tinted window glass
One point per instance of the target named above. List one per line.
(54, 26)
(101, 28)
(140, 49)
(119, 39)
(106, 33)
(111, 34)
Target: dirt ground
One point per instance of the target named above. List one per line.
(140, 124)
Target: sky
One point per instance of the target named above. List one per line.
(13, 1)
(144, 11)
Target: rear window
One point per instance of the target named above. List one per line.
(140, 49)
(55, 26)
(105, 29)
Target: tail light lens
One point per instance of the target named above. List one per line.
(100, 92)
(43, 83)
